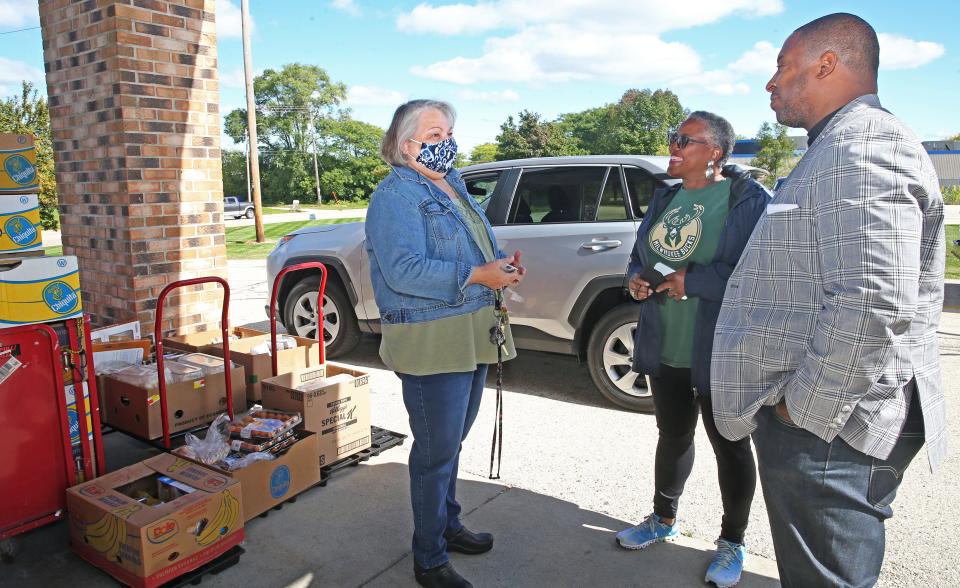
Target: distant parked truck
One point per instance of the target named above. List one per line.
(233, 206)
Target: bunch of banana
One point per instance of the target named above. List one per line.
(106, 535)
(222, 522)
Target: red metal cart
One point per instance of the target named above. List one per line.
(39, 464)
(158, 343)
(277, 282)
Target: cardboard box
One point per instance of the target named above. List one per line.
(20, 230)
(18, 164)
(269, 483)
(39, 290)
(136, 410)
(260, 367)
(146, 545)
(339, 413)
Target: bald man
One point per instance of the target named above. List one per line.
(826, 346)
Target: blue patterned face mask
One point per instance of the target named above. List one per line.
(438, 157)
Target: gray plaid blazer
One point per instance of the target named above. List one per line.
(835, 303)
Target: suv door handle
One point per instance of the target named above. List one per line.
(601, 244)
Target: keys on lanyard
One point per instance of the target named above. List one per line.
(498, 332)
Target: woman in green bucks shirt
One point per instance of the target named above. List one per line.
(694, 232)
(437, 275)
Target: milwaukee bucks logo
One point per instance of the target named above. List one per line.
(678, 232)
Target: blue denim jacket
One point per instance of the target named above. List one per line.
(748, 199)
(421, 251)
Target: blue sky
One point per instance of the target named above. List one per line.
(494, 58)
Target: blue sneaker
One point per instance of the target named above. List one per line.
(727, 564)
(650, 531)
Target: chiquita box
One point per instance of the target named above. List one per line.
(38, 290)
(20, 223)
(18, 164)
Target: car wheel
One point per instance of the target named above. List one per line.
(340, 330)
(610, 357)
(248, 213)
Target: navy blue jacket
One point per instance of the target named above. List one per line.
(748, 200)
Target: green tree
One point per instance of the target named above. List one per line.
(293, 104)
(483, 153)
(642, 119)
(351, 166)
(775, 153)
(636, 124)
(298, 111)
(530, 136)
(955, 137)
(26, 113)
(234, 166)
(590, 129)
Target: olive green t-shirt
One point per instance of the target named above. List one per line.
(447, 345)
(687, 232)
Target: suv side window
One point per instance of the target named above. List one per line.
(557, 195)
(481, 187)
(613, 205)
(640, 186)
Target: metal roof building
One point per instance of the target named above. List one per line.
(945, 156)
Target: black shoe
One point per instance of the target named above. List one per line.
(440, 577)
(466, 541)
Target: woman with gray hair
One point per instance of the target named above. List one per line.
(689, 242)
(437, 278)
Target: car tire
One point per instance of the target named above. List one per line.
(248, 213)
(610, 357)
(340, 331)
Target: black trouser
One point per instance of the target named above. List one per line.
(676, 408)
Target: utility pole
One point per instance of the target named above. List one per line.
(316, 173)
(251, 120)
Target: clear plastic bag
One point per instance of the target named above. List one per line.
(237, 461)
(283, 342)
(214, 446)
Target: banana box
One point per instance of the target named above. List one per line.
(20, 224)
(151, 522)
(18, 164)
(269, 483)
(39, 290)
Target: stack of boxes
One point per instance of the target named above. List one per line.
(34, 288)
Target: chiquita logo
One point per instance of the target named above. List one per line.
(20, 230)
(60, 297)
(279, 481)
(162, 531)
(20, 170)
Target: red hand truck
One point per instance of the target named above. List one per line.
(38, 464)
(277, 282)
(158, 344)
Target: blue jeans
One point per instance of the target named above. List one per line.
(442, 408)
(827, 502)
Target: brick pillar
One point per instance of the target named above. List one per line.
(134, 106)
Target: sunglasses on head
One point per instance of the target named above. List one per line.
(682, 141)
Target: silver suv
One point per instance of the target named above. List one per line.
(574, 218)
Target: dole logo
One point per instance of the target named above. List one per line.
(20, 230)
(20, 170)
(60, 297)
(162, 531)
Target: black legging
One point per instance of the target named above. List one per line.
(676, 410)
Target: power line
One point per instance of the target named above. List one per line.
(20, 30)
